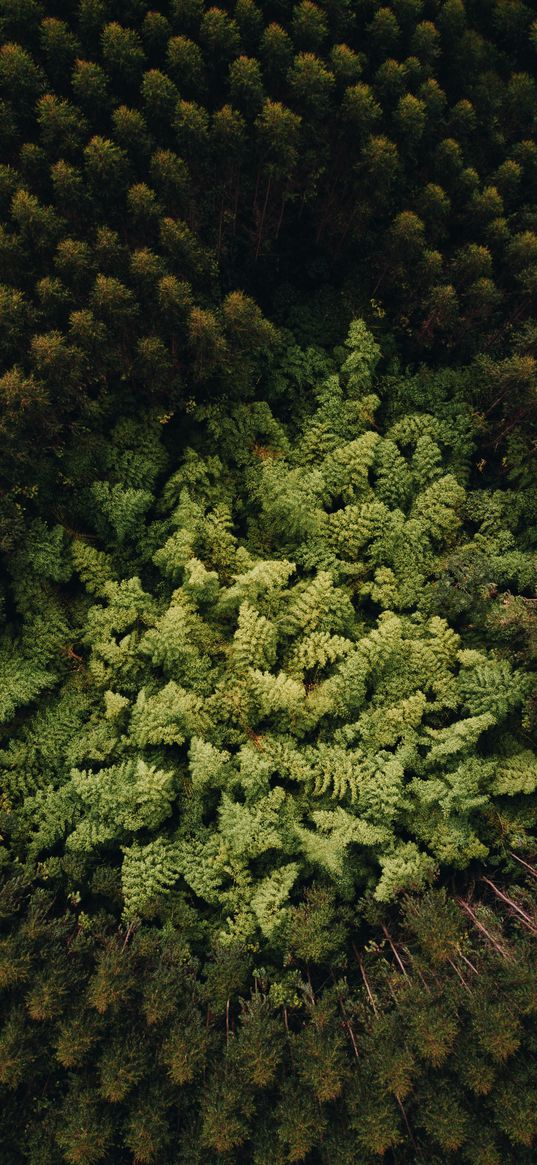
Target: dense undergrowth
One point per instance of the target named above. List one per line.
(268, 514)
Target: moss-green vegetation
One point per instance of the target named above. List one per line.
(268, 524)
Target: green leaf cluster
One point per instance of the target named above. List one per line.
(266, 687)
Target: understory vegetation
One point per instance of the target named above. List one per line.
(268, 524)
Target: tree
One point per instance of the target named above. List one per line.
(61, 127)
(155, 32)
(185, 251)
(384, 33)
(206, 341)
(246, 85)
(20, 74)
(434, 207)
(220, 36)
(346, 65)
(39, 226)
(425, 42)
(186, 66)
(112, 301)
(276, 53)
(60, 48)
(191, 124)
(122, 52)
(278, 137)
(410, 120)
(90, 88)
(144, 208)
(106, 167)
(311, 85)
(250, 22)
(160, 97)
(131, 132)
(174, 299)
(359, 110)
(308, 26)
(171, 179)
(69, 194)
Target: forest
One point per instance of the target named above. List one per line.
(268, 582)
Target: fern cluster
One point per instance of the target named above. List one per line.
(265, 686)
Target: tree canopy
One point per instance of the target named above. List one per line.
(268, 514)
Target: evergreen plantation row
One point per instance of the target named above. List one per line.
(416, 1047)
(268, 514)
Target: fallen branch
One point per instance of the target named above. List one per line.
(526, 918)
(482, 929)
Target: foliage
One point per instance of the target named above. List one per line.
(164, 169)
(267, 688)
(267, 598)
(120, 1046)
